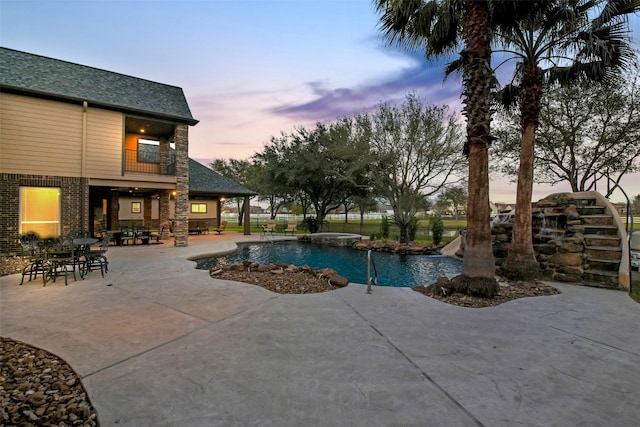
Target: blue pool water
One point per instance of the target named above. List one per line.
(393, 269)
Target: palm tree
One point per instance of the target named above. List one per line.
(573, 46)
(438, 26)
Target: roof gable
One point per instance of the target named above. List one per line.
(41, 75)
(205, 180)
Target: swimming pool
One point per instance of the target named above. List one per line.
(393, 269)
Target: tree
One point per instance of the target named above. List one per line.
(324, 165)
(365, 204)
(562, 36)
(453, 196)
(238, 171)
(415, 151)
(586, 132)
(269, 177)
(437, 26)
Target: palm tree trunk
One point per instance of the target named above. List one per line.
(478, 265)
(521, 263)
(478, 258)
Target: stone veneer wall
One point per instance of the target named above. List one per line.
(181, 230)
(559, 241)
(74, 204)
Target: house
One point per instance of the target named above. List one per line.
(80, 146)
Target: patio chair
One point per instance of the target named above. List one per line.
(157, 235)
(128, 236)
(292, 227)
(32, 250)
(271, 226)
(269, 229)
(97, 257)
(220, 229)
(61, 260)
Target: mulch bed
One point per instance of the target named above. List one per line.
(509, 290)
(282, 279)
(304, 280)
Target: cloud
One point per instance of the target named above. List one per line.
(425, 78)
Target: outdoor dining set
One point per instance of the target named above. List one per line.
(63, 256)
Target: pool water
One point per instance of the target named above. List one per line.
(393, 269)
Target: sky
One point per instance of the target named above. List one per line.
(250, 69)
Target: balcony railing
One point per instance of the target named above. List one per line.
(150, 163)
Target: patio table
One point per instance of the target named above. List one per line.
(84, 243)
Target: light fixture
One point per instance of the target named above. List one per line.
(142, 130)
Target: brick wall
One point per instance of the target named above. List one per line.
(74, 204)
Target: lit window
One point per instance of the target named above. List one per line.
(198, 208)
(40, 211)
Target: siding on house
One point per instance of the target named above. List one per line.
(31, 127)
(104, 143)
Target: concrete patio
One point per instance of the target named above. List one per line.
(159, 343)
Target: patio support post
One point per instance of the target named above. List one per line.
(219, 211)
(146, 219)
(181, 139)
(114, 208)
(247, 219)
(164, 214)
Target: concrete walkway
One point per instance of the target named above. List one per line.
(158, 343)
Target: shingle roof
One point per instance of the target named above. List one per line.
(205, 180)
(21, 71)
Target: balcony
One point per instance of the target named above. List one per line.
(147, 162)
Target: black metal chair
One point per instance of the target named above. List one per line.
(128, 236)
(61, 260)
(94, 258)
(32, 250)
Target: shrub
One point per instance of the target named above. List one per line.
(384, 227)
(437, 228)
(310, 223)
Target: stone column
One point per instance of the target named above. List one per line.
(164, 214)
(165, 156)
(181, 139)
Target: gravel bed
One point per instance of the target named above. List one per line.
(38, 388)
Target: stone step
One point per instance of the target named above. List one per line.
(583, 201)
(602, 240)
(591, 210)
(610, 230)
(603, 264)
(597, 219)
(603, 252)
(601, 279)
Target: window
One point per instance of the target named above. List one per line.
(148, 151)
(40, 211)
(198, 208)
